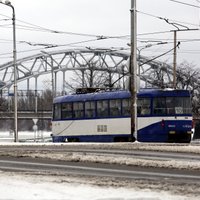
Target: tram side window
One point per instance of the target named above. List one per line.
(170, 105)
(66, 110)
(183, 104)
(115, 107)
(143, 106)
(126, 105)
(178, 105)
(57, 111)
(78, 110)
(159, 106)
(102, 108)
(90, 109)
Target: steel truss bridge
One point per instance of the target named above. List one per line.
(60, 64)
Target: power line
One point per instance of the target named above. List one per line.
(79, 42)
(57, 45)
(160, 55)
(40, 28)
(34, 27)
(48, 46)
(37, 27)
(162, 18)
(148, 61)
(7, 17)
(153, 33)
(189, 40)
(180, 51)
(99, 37)
(187, 4)
(147, 40)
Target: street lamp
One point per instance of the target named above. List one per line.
(8, 3)
(139, 54)
(145, 47)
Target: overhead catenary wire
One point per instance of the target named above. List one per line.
(162, 18)
(148, 61)
(186, 4)
(145, 40)
(37, 27)
(33, 27)
(81, 42)
(154, 33)
(98, 37)
(199, 10)
(40, 28)
(57, 45)
(154, 58)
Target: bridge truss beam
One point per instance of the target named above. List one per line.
(114, 63)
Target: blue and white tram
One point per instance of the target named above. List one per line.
(163, 116)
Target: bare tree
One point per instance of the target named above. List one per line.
(45, 100)
(188, 76)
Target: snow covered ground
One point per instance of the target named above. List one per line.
(26, 186)
(41, 187)
(41, 136)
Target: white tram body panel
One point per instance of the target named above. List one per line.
(105, 126)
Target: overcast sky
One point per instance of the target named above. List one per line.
(101, 17)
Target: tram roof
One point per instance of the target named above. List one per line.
(120, 94)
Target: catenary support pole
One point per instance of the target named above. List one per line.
(133, 71)
(174, 60)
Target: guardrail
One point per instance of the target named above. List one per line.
(27, 115)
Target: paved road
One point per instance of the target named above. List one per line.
(11, 159)
(95, 169)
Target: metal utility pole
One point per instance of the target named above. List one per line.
(15, 74)
(174, 60)
(175, 53)
(133, 71)
(184, 28)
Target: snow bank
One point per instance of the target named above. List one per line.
(111, 159)
(193, 147)
(122, 160)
